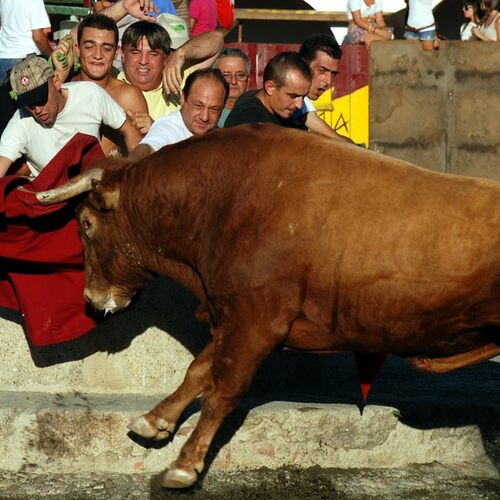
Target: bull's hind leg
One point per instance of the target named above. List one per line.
(159, 422)
(442, 365)
(236, 357)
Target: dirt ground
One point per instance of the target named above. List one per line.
(430, 482)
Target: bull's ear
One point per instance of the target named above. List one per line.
(106, 197)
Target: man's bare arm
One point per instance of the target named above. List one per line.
(315, 124)
(131, 135)
(63, 57)
(136, 8)
(199, 50)
(5, 163)
(41, 41)
(140, 152)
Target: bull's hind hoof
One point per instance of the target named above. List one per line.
(178, 478)
(145, 429)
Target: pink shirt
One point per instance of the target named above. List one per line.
(205, 13)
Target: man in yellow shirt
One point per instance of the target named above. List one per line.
(152, 66)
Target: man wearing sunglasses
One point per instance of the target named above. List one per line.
(50, 114)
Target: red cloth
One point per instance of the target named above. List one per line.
(225, 14)
(41, 259)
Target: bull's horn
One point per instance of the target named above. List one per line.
(75, 186)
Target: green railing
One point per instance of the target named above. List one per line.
(68, 7)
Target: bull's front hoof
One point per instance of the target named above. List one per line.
(178, 478)
(145, 429)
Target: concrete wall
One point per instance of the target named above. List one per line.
(437, 109)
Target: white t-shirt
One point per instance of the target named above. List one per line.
(87, 107)
(420, 14)
(18, 18)
(466, 31)
(365, 10)
(307, 107)
(167, 130)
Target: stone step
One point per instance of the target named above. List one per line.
(77, 433)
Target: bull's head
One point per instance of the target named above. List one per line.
(113, 271)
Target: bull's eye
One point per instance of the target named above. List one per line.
(86, 224)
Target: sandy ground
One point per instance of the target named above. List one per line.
(433, 482)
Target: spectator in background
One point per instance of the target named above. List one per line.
(203, 99)
(366, 22)
(323, 53)
(235, 67)
(287, 79)
(151, 66)
(182, 8)
(225, 14)
(202, 16)
(471, 13)
(489, 30)
(22, 32)
(161, 6)
(421, 25)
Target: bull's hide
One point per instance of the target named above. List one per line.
(40, 250)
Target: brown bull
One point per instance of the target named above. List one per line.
(291, 240)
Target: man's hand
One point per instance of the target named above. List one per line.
(140, 120)
(63, 58)
(136, 8)
(140, 8)
(173, 73)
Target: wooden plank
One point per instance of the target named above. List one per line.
(289, 15)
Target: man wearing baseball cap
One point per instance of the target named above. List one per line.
(51, 113)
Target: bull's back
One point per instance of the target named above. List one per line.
(358, 229)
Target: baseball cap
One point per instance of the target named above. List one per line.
(29, 80)
(176, 28)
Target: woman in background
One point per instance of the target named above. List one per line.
(421, 25)
(366, 22)
(471, 13)
(489, 30)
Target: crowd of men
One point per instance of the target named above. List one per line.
(75, 106)
(162, 94)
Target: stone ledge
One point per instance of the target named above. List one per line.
(83, 433)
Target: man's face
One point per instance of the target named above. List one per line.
(46, 113)
(234, 70)
(288, 98)
(143, 66)
(202, 108)
(96, 52)
(324, 70)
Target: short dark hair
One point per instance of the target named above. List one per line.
(234, 52)
(100, 22)
(320, 42)
(205, 73)
(277, 68)
(156, 35)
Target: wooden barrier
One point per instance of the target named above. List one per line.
(286, 15)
